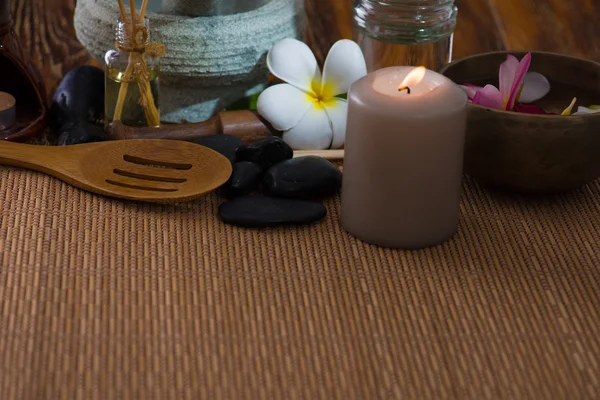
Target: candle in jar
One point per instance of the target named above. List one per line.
(7, 110)
(403, 158)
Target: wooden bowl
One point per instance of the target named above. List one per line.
(533, 153)
(20, 78)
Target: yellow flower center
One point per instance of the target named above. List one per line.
(322, 95)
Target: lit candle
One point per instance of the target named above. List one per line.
(403, 158)
(7, 110)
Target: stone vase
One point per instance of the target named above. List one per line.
(195, 8)
(214, 57)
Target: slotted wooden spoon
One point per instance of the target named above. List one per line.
(151, 170)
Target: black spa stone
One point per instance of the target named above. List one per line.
(262, 212)
(227, 145)
(303, 178)
(266, 153)
(79, 96)
(79, 132)
(245, 179)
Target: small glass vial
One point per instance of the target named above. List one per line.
(405, 32)
(132, 72)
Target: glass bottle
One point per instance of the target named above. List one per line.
(132, 78)
(405, 32)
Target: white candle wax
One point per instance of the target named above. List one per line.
(7, 110)
(403, 158)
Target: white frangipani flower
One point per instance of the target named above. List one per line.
(306, 108)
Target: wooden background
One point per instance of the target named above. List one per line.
(565, 26)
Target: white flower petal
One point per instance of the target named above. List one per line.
(337, 112)
(293, 62)
(283, 106)
(536, 86)
(584, 110)
(313, 132)
(345, 65)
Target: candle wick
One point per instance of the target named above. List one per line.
(400, 89)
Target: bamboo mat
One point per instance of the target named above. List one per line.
(105, 299)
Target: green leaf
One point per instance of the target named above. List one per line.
(247, 103)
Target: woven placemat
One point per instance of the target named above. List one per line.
(105, 299)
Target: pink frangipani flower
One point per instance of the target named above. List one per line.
(489, 96)
(514, 82)
(512, 75)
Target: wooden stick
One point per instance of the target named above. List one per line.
(123, 12)
(129, 70)
(153, 110)
(244, 124)
(143, 10)
(326, 154)
(133, 19)
(150, 109)
(123, 91)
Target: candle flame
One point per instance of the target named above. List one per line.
(415, 77)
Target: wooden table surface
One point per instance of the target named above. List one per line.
(570, 27)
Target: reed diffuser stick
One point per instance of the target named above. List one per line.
(123, 12)
(132, 12)
(143, 10)
(124, 84)
(150, 109)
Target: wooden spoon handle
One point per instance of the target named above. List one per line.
(47, 159)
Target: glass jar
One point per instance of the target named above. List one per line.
(132, 78)
(210, 7)
(405, 32)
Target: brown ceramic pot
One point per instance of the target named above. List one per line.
(533, 153)
(19, 78)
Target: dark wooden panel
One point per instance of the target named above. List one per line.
(477, 29)
(569, 27)
(46, 29)
(327, 22)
